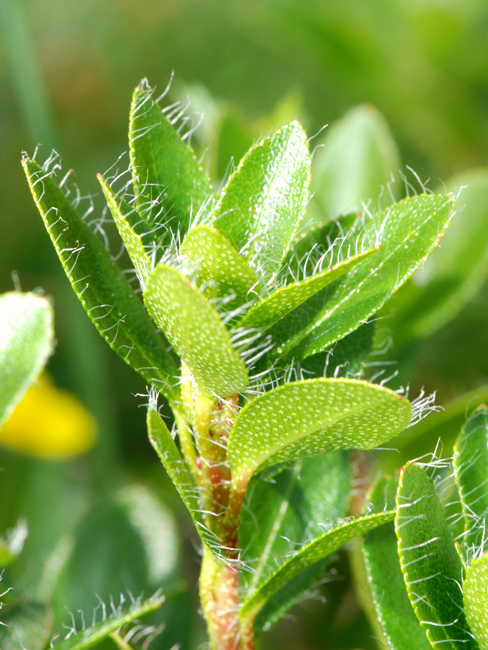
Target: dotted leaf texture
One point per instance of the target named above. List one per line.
(408, 231)
(475, 589)
(262, 205)
(311, 553)
(430, 564)
(195, 330)
(313, 417)
(170, 185)
(102, 288)
(215, 266)
(394, 613)
(471, 473)
(286, 507)
(26, 341)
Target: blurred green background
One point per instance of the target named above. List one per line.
(67, 71)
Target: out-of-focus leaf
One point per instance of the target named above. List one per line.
(311, 553)
(195, 330)
(170, 185)
(27, 625)
(430, 564)
(452, 276)
(312, 417)
(101, 286)
(355, 164)
(11, 544)
(284, 509)
(475, 596)
(263, 204)
(408, 231)
(26, 341)
(218, 269)
(394, 612)
(471, 472)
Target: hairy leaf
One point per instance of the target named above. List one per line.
(263, 204)
(475, 595)
(195, 330)
(101, 286)
(430, 563)
(26, 341)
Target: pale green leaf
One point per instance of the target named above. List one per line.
(195, 330)
(471, 473)
(222, 275)
(475, 594)
(312, 417)
(263, 204)
(170, 185)
(101, 286)
(26, 341)
(355, 164)
(430, 564)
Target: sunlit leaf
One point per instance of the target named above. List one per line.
(475, 596)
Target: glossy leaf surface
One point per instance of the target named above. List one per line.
(170, 185)
(310, 418)
(476, 599)
(195, 330)
(430, 563)
(262, 205)
(102, 288)
(26, 341)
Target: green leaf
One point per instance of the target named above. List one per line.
(263, 204)
(129, 544)
(311, 553)
(195, 330)
(395, 615)
(312, 417)
(355, 164)
(102, 288)
(131, 229)
(281, 302)
(170, 185)
(162, 441)
(26, 625)
(430, 563)
(92, 635)
(285, 508)
(471, 472)
(476, 599)
(408, 231)
(26, 341)
(12, 543)
(223, 276)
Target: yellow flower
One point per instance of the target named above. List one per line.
(49, 423)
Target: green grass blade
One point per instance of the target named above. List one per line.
(430, 564)
(102, 288)
(26, 341)
(262, 205)
(476, 599)
(195, 330)
(312, 417)
(170, 185)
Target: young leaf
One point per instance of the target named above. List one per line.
(218, 268)
(262, 205)
(356, 163)
(408, 231)
(93, 634)
(395, 614)
(281, 302)
(195, 330)
(430, 564)
(471, 472)
(131, 229)
(101, 286)
(286, 508)
(311, 553)
(26, 341)
(170, 185)
(312, 417)
(475, 596)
